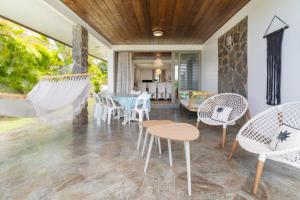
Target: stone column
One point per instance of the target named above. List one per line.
(80, 60)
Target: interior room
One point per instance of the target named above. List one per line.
(152, 73)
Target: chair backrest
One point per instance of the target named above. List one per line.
(237, 102)
(141, 102)
(97, 98)
(264, 125)
(102, 98)
(161, 87)
(110, 101)
(138, 92)
(169, 87)
(142, 86)
(147, 105)
(152, 87)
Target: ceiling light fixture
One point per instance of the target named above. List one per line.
(158, 32)
(158, 63)
(158, 72)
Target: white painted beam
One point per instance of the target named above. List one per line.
(149, 48)
(67, 12)
(111, 70)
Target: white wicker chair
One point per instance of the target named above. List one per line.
(235, 101)
(256, 135)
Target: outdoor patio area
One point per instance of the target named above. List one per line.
(43, 162)
(149, 99)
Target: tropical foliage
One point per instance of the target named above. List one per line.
(26, 55)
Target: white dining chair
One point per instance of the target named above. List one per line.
(161, 90)
(97, 108)
(152, 87)
(103, 115)
(112, 106)
(169, 90)
(142, 106)
(142, 86)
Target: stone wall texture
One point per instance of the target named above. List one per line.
(80, 60)
(80, 49)
(233, 68)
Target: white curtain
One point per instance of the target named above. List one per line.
(138, 75)
(125, 73)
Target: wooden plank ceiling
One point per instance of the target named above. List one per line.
(131, 21)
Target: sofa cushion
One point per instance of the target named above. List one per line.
(199, 93)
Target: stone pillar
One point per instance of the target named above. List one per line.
(80, 60)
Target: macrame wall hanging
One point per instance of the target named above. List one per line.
(274, 44)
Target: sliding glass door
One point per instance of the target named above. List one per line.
(189, 71)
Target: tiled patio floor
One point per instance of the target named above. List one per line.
(44, 162)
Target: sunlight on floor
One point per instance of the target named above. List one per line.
(11, 123)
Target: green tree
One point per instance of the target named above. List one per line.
(26, 55)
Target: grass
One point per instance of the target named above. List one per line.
(11, 123)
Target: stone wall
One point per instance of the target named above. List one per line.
(232, 55)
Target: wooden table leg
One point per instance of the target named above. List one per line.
(140, 137)
(188, 165)
(170, 153)
(145, 141)
(234, 146)
(259, 168)
(223, 137)
(149, 152)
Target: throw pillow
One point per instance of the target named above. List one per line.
(221, 113)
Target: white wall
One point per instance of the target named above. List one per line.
(259, 13)
(145, 74)
(110, 70)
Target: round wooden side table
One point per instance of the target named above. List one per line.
(147, 124)
(178, 132)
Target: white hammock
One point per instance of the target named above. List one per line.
(54, 99)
